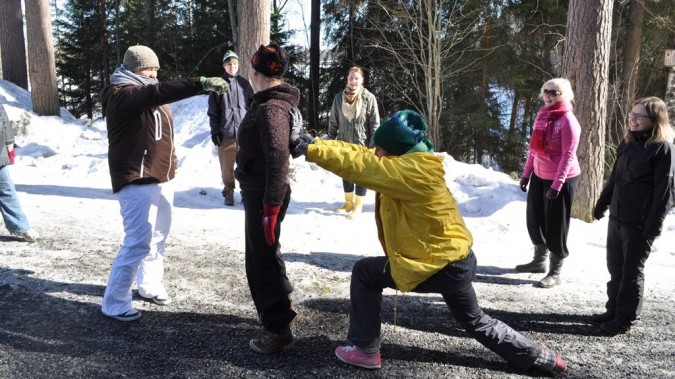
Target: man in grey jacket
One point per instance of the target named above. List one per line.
(226, 110)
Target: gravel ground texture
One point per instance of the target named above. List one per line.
(51, 325)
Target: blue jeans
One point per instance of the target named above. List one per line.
(15, 220)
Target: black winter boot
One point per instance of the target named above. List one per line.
(538, 264)
(553, 277)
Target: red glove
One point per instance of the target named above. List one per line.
(12, 154)
(269, 220)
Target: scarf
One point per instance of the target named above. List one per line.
(123, 76)
(351, 106)
(545, 117)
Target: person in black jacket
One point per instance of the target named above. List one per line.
(142, 161)
(638, 195)
(226, 110)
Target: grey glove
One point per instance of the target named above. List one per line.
(299, 144)
(298, 139)
(214, 84)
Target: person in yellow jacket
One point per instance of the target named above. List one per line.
(427, 246)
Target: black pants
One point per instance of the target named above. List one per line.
(265, 268)
(548, 220)
(371, 275)
(349, 187)
(627, 253)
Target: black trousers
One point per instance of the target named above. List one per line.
(627, 253)
(349, 187)
(265, 268)
(548, 220)
(453, 282)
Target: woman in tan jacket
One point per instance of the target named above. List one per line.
(353, 118)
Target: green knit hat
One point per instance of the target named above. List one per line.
(405, 132)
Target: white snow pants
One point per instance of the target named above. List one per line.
(146, 215)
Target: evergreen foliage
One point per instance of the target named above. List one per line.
(489, 82)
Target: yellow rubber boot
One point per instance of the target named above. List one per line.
(348, 206)
(358, 208)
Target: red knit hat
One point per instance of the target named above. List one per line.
(270, 60)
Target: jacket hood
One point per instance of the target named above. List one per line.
(283, 91)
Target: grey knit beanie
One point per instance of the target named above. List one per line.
(138, 57)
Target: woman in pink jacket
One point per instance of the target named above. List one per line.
(552, 171)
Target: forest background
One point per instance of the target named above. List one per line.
(472, 68)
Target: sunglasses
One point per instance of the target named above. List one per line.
(551, 92)
(637, 116)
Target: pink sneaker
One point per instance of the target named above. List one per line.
(354, 356)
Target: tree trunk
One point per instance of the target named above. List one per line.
(41, 58)
(631, 62)
(104, 78)
(586, 65)
(314, 64)
(254, 29)
(234, 24)
(12, 44)
(149, 19)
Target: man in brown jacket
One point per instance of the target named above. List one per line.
(142, 161)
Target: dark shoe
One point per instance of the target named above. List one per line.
(614, 327)
(159, 300)
(549, 281)
(127, 316)
(273, 342)
(538, 264)
(553, 277)
(601, 318)
(534, 266)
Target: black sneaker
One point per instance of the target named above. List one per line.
(273, 342)
(614, 327)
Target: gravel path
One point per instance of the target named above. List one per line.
(51, 325)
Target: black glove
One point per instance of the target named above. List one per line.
(598, 212)
(523, 184)
(217, 139)
(552, 194)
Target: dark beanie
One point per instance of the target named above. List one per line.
(405, 132)
(270, 60)
(138, 57)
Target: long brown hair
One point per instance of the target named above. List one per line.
(658, 113)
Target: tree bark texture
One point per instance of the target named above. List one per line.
(586, 65)
(234, 24)
(42, 69)
(314, 64)
(13, 56)
(254, 29)
(149, 19)
(631, 53)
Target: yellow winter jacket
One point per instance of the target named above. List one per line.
(418, 223)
